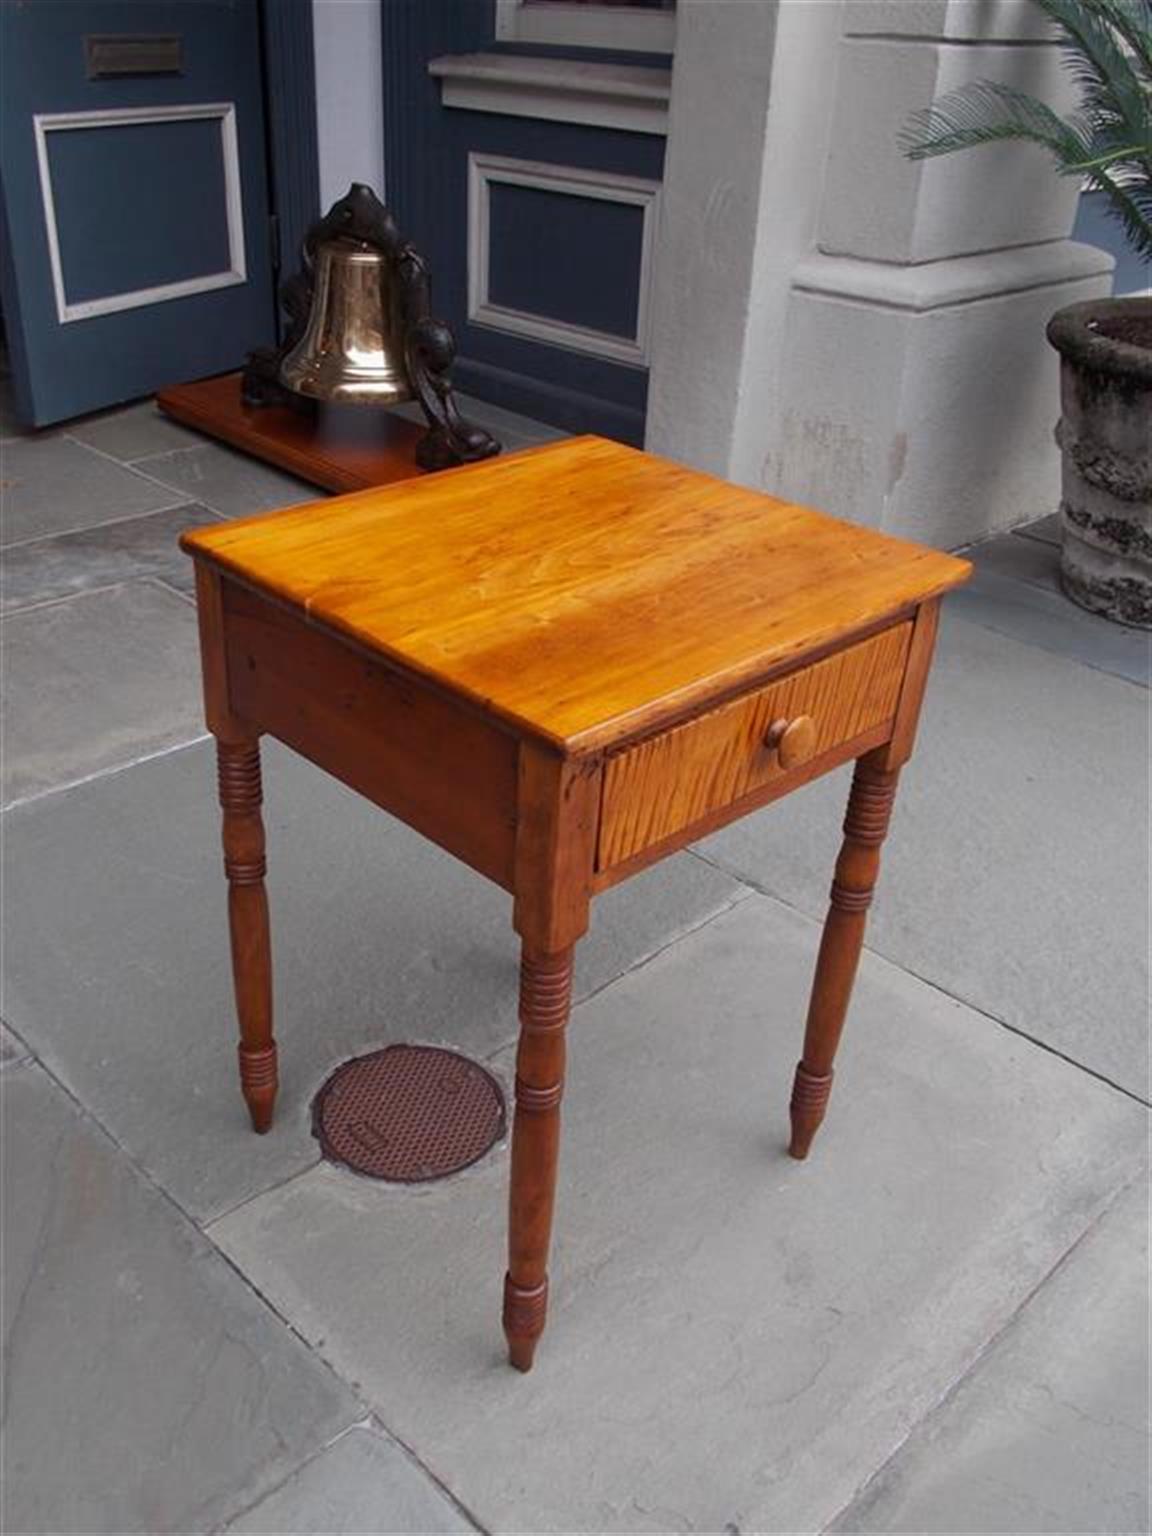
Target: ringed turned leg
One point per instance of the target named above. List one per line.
(240, 799)
(545, 1000)
(865, 827)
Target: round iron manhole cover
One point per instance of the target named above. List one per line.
(408, 1113)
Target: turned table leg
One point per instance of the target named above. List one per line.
(545, 999)
(865, 827)
(240, 798)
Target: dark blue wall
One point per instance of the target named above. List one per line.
(426, 153)
(290, 112)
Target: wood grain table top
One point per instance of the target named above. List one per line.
(584, 592)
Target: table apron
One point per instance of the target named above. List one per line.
(456, 777)
(442, 769)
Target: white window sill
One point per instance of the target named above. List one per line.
(630, 97)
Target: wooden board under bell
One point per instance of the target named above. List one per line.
(341, 448)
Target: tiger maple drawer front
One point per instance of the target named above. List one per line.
(662, 786)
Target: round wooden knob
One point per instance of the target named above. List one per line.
(793, 741)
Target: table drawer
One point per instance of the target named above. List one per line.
(661, 786)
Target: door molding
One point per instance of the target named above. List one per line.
(573, 181)
(426, 150)
(44, 123)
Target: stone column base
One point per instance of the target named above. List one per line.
(943, 363)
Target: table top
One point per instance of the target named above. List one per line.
(584, 592)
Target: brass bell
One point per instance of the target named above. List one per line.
(352, 349)
(359, 330)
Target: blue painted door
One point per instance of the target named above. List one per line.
(540, 234)
(135, 230)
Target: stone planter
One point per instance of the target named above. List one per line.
(1105, 436)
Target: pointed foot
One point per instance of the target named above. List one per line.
(521, 1353)
(810, 1093)
(258, 1082)
(525, 1308)
(261, 1116)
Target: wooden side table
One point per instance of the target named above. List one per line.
(562, 666)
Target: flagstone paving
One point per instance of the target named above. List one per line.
(736, 1339)
(1051, 1433)
(362, 1482)
(95, 682)
(147, 1388)
(11, 1049)
(1015, 874)
(45, 570)
(118, 972)
(932, 1325)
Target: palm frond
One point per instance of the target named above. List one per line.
(1107, 48)
(1132, 23)
(1093, 53)
(987, 112)
(1093, 48)
(1131, 206)
(1110, 157)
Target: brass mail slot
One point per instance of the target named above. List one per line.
(109, 55)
